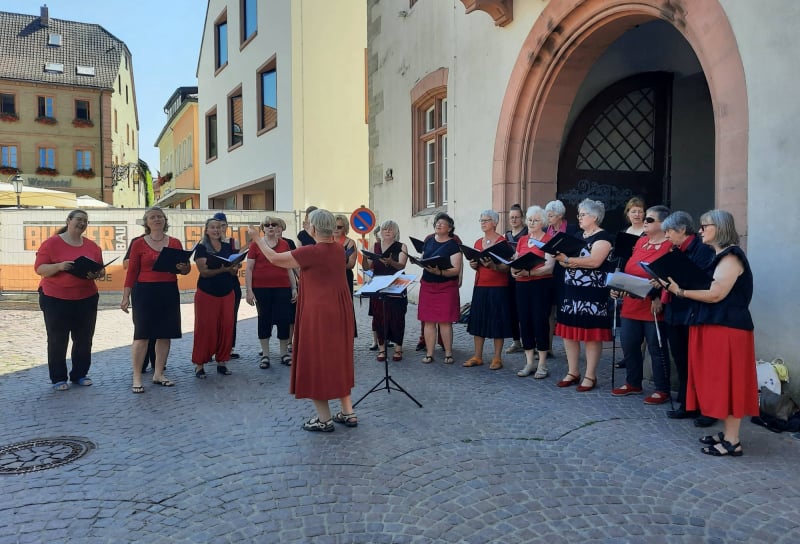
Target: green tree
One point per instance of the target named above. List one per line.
(147, 176)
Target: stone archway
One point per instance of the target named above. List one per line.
(566, 40)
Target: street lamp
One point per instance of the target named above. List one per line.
(18, 182)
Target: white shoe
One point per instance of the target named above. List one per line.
(516, 347)
(526, 371)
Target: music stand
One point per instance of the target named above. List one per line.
(393, 289)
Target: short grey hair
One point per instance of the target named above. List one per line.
(389, 224)
(323, 221)
(726, 234)
(679, 221)
(491, 214)
(595, 208)
(660, 211)
(556, 206)
(534, 211)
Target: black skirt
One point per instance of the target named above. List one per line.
(156, 310)
(489, 314)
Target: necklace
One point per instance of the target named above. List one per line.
(160, 239)
(590, 234)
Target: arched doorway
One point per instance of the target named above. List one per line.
(561, 49)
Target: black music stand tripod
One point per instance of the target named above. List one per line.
(387, 381)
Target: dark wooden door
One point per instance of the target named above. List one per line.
(618, 148)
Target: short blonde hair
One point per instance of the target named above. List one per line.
(343, 219)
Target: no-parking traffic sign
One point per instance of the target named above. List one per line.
(362, 220)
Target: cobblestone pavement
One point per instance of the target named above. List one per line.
(489, 458)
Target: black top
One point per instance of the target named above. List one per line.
(393, 252)
(305, 238)
(437, 249)
(734, 310)
(681, 311)
(219, 285)
(511, 239)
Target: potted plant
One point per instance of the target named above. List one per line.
(88, 173)
(9, 170)
(9, 117)
(45, 120)
(82, 123)
(44, 171)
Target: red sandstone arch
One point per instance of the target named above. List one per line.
(563, 44)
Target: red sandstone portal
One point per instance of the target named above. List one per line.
(562, 46)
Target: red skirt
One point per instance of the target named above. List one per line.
(438, 302)
(580, 334)
(722, 372)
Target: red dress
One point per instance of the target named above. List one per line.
(322, 358)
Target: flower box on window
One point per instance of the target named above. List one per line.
(46, 120)
(84, 173)
(82, 123)
(46, 171)
(9, 170)
(9, 117)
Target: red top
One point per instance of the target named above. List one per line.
(524, 246)
(486, 277)
(266, 274)
(142, 259)
(63, 285)
(639, 308)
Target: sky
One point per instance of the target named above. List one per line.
(163, 37)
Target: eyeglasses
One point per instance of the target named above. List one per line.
(339, 227)
(273, 225)
(484, 220)
(581, 215)
(703, 227)
(650, 220)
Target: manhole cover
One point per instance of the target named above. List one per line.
(42, 453)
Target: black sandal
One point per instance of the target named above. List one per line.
(713, 439)
(448, 360)
(264, 362)
(224, 370)
(350, 420)
(728, 449)
(428, 359)
(286, 359)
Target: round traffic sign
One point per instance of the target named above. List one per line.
(362, 220)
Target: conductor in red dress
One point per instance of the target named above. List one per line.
(322, 358)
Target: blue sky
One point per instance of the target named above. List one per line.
(163, 37)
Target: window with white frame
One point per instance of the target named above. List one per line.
(8, 156)
(47, 157)
(430, 153)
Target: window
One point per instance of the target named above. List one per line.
(47, 157)
(267, 85)
(430, 155)
(211, 135)
(82, 110)
(54, 67)
(235, 118)
(249, 18)
(128, 134)
(221, 41)
(119, 84)
(85, 70)
(115, 121)
(44, 106)
(8, 104)
(126, 94)
(54, 39)
(8, 156)
(83, 159)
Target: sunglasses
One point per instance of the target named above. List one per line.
(273, 225)
(650, 220)
(339, 227)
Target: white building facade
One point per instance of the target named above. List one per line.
(483, 104)
(282, 122)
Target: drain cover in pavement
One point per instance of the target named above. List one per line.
(42, 453)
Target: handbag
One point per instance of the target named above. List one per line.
(778, 406)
